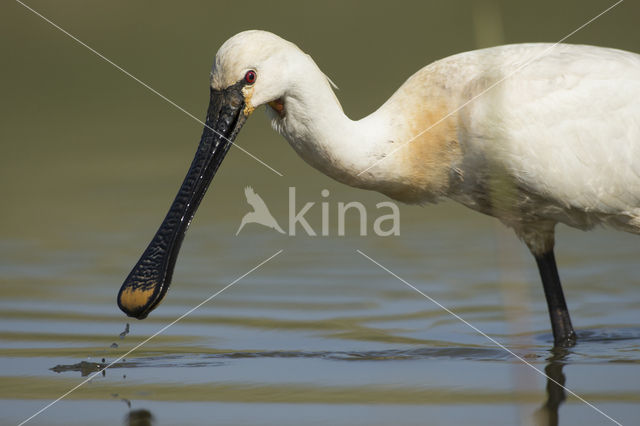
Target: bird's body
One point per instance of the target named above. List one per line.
(532, 134)
(557, 140)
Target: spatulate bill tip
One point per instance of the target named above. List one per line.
(138, 302)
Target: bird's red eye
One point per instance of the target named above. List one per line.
(250, 77)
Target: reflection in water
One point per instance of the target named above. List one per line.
(547, 415)
(87, 367)
(264, 391)
(139, 417)
(84, 367)
(209, 360)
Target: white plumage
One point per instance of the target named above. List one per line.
(533, 134)
(563, 131)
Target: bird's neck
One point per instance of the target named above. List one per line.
(387, 151)
(314, 124)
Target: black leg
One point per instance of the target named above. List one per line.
(563, 334)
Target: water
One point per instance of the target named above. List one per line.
(319, 334)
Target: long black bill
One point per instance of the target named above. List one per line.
(149, 280)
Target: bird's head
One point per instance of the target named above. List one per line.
(258, 65)
(252, 68)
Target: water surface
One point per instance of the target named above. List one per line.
(320, 334)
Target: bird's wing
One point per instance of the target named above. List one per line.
(566, 126)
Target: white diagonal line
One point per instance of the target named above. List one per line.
(146, 86)
(527, 63)
(150, 337)
(494, 341)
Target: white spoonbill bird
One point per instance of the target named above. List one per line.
(532, 134)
